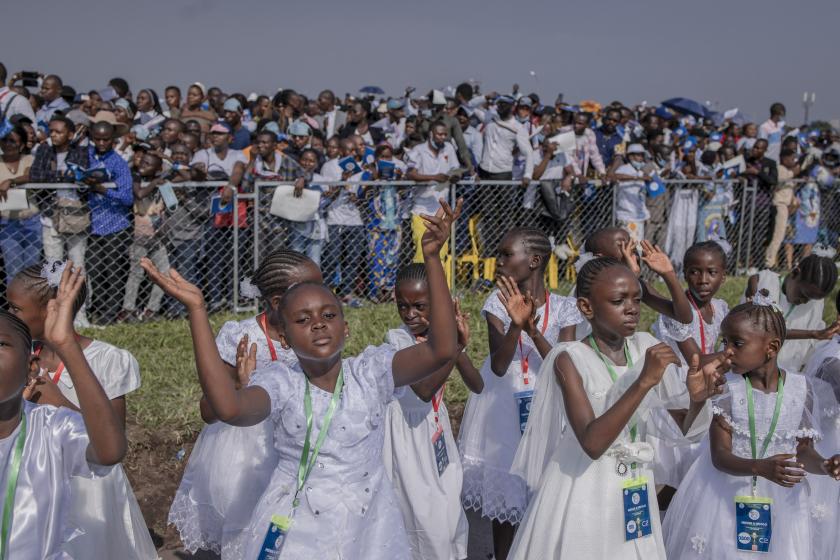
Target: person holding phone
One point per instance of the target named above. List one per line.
(12, 103)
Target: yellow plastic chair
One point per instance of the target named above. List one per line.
(574, 253)
(473, 258)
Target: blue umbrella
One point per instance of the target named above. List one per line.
(687, 106)
(373, 90)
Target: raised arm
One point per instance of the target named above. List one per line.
(244, 407)
(597, 434)
(104, 427)
(520, 308)
(412, 364)
(678, 307)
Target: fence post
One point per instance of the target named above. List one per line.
(753, 190)
(453, 267)
(235, 291)
(739, 264)
(256, 225)
(613, 187)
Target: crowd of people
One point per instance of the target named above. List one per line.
(667, 176)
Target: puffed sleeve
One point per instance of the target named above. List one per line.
(667, 327)
(279, 382)
(567, 313)
(227, 340)
(374, 370)
(493, 306)
(116, 369)
(67, 429)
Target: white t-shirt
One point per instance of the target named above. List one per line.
(212, 162)
(426, 162)
(61, 167)
(631, 195)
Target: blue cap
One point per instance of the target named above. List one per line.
(680, 131)
(232, 104)
(506, 99)
(299, 128)
(395, 104)
(525, 101)
(690, 142)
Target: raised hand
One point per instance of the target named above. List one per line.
(42, 390)
(246, 361)
(520, 307)
(462, 322)
(781, 469)
(657, 358)
(174, 285)
(828, 332)
(438, 227)
(58, 326)
(831, 466)
(628, 256)
(656, 259)
(707, 381)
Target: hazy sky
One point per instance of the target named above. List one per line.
(740, 53)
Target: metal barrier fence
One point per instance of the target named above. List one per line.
(363, 233)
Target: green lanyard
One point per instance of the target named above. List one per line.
(307, 461)
(613, 374)
(775, 420)
(782, 292)
(11, 486)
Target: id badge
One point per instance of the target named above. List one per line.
(753, 523)
(523, 405)
(441, 455)
(275, 537)
(636, 509)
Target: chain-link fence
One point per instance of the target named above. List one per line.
(361, 234)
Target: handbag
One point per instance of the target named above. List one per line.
(71, 216)
(556, 202)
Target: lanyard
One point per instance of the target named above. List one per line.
(261, 321)
(307, 460)
(780, 390)
(58, 371)
(613, 374)
(11, 487)
(702, 323)
(782, 291)
(522, 355)
(436, 400)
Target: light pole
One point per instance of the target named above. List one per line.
(807, 102)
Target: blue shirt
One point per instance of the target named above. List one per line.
(111, 212)
(46, 112)
(241, 139)
(607, 144)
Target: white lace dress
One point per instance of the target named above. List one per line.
(215, 499)
(348, 507)
(675, 451)
(105, 508)
(700, 522)
(490, 429)
(576, 505)
(795, 353)
(431, 504)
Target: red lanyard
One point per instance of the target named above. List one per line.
(59, 370)
(271, 350)
(436, 400)
(522, 354)
(702, 323)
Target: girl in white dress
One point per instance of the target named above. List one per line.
(328, 496)
(105, 508)
(704, 268)
(44, 449)
(215, 499)
(524, 320)
(800, 296)
(583, 454)
(760, 447)
(420, 455)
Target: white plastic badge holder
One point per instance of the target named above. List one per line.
(523, 407)
(15, 200)
(439, 447)
(285, 205)
(275, 537)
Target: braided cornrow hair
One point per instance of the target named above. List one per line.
(535, 242)
(704, 246)
(412, 272)
(19, 327)
(34, 282)
(765, 317)
(277, 270)
(590, 272)
(595, 242)
(818, 271)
